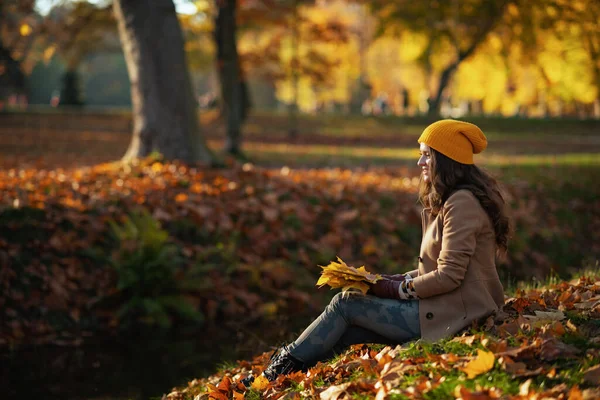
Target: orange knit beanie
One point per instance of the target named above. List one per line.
(455, 139)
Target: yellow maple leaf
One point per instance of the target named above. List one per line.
(363, 287)
(260, 383)
(481, 364)
(323, 280)
(339, 275)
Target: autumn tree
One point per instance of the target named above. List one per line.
(73, 31)
(294, 45)
(17, 24)
(234, 92)
(578, 24)
(557, 39)
(164, 109)
(591, 39)
(70, 31)
(455, 28)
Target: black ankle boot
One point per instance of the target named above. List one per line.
(281, 362)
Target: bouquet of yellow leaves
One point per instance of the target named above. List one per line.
(339, 275)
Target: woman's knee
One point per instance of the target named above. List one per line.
(343, 300)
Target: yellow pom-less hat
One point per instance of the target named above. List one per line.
(455, 139)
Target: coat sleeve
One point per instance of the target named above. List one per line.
(414, 273)
(462, 222)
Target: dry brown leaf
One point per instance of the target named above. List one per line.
(238, 396)
(468, 340)
(225, 384)
(592, 375)
(541, 317)
(217, 395)
(334, 392)
(575, 394)
(553, 349)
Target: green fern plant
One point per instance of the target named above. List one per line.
(147, 267)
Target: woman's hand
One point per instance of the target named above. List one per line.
(387, 288)
(395, 277)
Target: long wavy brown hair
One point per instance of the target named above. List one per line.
(448, 176)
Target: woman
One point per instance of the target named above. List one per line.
(464, 227)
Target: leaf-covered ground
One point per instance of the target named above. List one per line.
(544, 344)
(252, 238)
(255, 235)
(247, 239)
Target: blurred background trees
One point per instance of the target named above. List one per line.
(536, 58)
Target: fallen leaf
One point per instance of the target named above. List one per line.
(347, 216)
(225, 384)
(260, 383)
(591, 394)
(519, 369)
(545, 316)
(468, 340)
(483, 362)
(381, 393)
(238, 396)
(217, 395)
(575, 394)
(592, 375)
(524, 387)
(553, 349)
(334, 392)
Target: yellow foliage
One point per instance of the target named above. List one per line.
(340, 275)
(412, 45)
(25, 30)
(49, 53)
(340, 79)
(505, 74)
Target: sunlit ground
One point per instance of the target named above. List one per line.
(327, 141)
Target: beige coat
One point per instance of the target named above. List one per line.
(457, 281)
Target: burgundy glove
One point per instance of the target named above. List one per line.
(401, 289)
(395, 277)
(386, 289)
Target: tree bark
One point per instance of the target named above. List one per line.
(436, 103)
(165, 117)
(293, 107)
(234, 93)
(70, 93)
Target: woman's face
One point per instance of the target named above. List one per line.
(425, 162)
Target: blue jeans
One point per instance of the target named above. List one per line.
(352, 318)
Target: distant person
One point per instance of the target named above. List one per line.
(456, 282)
(380, 104)
(55, 98)
(405, 101)
(366, 108)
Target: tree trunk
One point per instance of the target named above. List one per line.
(234, 93)
(12, 80)
(436, 103)
(293, 107)
(165, 117)
(495, 14)
(70, 92)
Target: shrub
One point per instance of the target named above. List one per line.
(149, 273)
